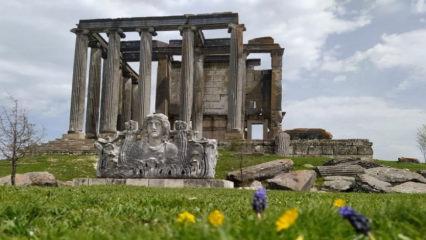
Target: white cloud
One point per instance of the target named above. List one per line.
(391, 129)
(404, 51)
(418, 6)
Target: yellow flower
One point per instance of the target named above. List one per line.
(216, 218)
(287, 219)
(300, 237)
(339, 203)
(186, 217)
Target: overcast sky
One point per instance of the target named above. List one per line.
(356, 68)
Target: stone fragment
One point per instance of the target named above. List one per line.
(340, 170)
(410, 187)
(253, 185)
(282, 144)
(352, 161)
(302, 180)
(393, 175)
(308, 166)
(261, 171)
(339, 178)
(408, 160)
(422, 172)
(338, 185)
(368, 183)
(44, 179)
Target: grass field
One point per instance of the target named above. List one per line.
(123, 212)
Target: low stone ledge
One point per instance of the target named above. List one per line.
(154, 182)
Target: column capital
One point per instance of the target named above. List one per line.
(79, 31)
(147, 29)
(116, 30)
(187, 27)
(277, 52)
(233, 26)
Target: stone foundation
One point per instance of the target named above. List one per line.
(145, 182)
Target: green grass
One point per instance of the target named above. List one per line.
(124, 212)
(63, 167)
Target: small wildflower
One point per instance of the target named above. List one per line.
(300, 237)
(186, 217)
(216, 218)
(259, 201)
(339, 203)
(360, 223)
(287, 219)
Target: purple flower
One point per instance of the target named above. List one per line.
(360, 223)
(259, 200)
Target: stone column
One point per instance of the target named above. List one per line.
(162, 100)
(242, 68)
(120, 120)
(110, 86)
(78, 92)
(236, 74)
(145, 73)
(135, 102)
(276, 92)
(187, 72)
(127, 98)
(198, 109)
(94, 88)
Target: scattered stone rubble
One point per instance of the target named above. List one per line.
(43, 179)
(340, 175)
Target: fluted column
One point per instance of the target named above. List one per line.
(93, 95)
(110, 86)
(187, 72)
(198, 109)
(276, 92)
(135, 102)
(78, 91)
(120, 120)
(145, 72)
(162, 97)
(127, 98)
(236, 74)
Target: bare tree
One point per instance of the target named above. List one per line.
(17, 134)
(421, 140)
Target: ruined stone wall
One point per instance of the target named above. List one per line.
(257, 97)
(361, 148)
(351, 148)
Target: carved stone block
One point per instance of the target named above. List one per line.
(156, 151)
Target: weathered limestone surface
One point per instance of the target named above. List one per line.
(93, 95)
(339, 170)
(78, 92)
(110, 87)
(282, 142)
(410, 187)
(152, 182)
(44, 179)
(187, 73)
(127, 99)
(261, 171)
(276, 92)
(162, 102)
(309, 133)
(368, 183)
(154, 151)
(198, 110)
(236, 68)
(302, 180)
(393, 175)
(144, 80)
(408, 160)
(338, 183)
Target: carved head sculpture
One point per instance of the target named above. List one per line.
(131, 125)
(156, 126)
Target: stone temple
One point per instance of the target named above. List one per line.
(210, 84)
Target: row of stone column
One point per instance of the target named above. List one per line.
(108, 101)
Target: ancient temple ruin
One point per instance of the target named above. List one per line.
(214, 87)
